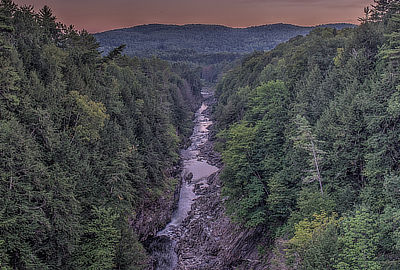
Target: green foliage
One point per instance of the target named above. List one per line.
(97, 249)
(252, 155)
(325, 242)
(115, 52)
(316, 241)
(311, 201)
(237, 158)
(85, 141)
(339, 124)
(307, 141)
(200, 44)
(87, 117)
(391, 51)
(7, 7)
(358, 242)
(389, 228)
(24, 225)
(126, 259)
(391, 190)
(305, 229)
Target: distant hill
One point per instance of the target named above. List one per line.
(199, 42)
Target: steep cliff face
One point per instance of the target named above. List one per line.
(206, 238)
(210, 240)
(154, 214)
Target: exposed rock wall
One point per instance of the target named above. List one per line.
(207, 238)
(154, 214)
(210, 240)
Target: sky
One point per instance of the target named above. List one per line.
(101, 15)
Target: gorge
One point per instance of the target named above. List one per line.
(195, 172)
(290, 161)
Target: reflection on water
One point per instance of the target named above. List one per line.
(163, 247)
(192, 163)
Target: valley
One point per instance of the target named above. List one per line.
(196, 147)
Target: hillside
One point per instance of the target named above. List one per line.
(201, 43)
(309, 137)
(86, 143)
(131, 163)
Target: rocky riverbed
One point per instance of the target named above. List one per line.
(200, 235)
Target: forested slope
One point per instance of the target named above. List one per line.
(84, 141)
(201, 43)
(309, 134)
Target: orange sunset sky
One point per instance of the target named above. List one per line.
(102, 15)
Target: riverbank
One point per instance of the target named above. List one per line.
(195, 170)
(200, 235)
(208, 238)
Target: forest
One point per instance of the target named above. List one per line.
(85, 140)
(309, 134)
(200, 43)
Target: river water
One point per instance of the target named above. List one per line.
(163, 247)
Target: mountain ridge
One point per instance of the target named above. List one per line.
(339, 25)
(201, 42)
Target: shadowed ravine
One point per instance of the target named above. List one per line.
(195, 171)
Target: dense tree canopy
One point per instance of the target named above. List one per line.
(324, 145)
(84, 141)
(309, 135)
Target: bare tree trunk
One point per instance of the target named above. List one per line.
(316, 167)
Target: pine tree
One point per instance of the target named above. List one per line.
(382, 10)
(391, 49)
(7, 8)
(47, 22)
(98, 247)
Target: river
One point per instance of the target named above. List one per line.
(195, 171)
